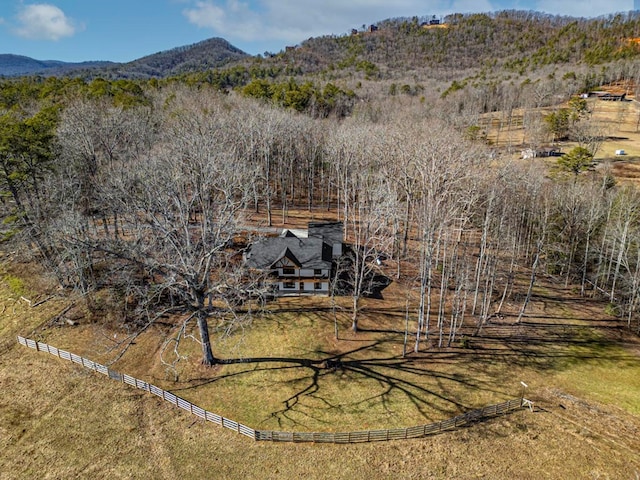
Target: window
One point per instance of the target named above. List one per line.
(288, 271)
(317, 272)
(317, 285)
(288, 285)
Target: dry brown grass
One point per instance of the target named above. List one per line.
(60, 421)
(619, 120)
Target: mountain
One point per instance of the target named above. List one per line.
(208, 54)
(17, 65)
(211, 53)
(513, 41)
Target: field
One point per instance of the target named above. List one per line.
(582, 368)
(619, 123)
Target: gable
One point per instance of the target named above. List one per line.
(284, 262)
(287, 259)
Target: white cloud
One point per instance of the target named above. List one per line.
(44, 22)
(295, 20)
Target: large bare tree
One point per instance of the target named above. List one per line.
(178, 207)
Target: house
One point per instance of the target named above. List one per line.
(607, 96)
(299, 262)
(541, 152)
(613, 97)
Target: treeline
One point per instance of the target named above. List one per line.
(313, 98)
(140, 205)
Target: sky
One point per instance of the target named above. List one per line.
(124, 30)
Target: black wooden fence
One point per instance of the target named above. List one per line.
(465, 419)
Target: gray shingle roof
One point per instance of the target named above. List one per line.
(331, 232)
(310, 252)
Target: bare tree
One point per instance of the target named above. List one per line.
(444, 165)
(369, 203)
(179, 207)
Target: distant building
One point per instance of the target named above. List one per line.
(603, 95)
(613, 97)
(434, 21)
(541, 152)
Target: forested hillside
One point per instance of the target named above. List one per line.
(511, 42)
(521, 58)
(517, 41)
(208, 54)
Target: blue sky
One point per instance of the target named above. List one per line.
(123, 30)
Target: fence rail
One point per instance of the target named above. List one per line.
(464, 419)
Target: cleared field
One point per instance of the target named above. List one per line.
(582, 367)
(619, 122)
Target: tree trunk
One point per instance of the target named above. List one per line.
(534, 268)
(421, 308)
(406, 329)
(354, 317)
(203, 326)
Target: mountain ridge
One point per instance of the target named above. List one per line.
(12, 65)
(210, 53)
(513, 41)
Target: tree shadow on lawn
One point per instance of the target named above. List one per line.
(383, 377)
(425, 381)
(435, 382)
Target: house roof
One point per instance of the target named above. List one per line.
(331, 232)
(310, 252)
